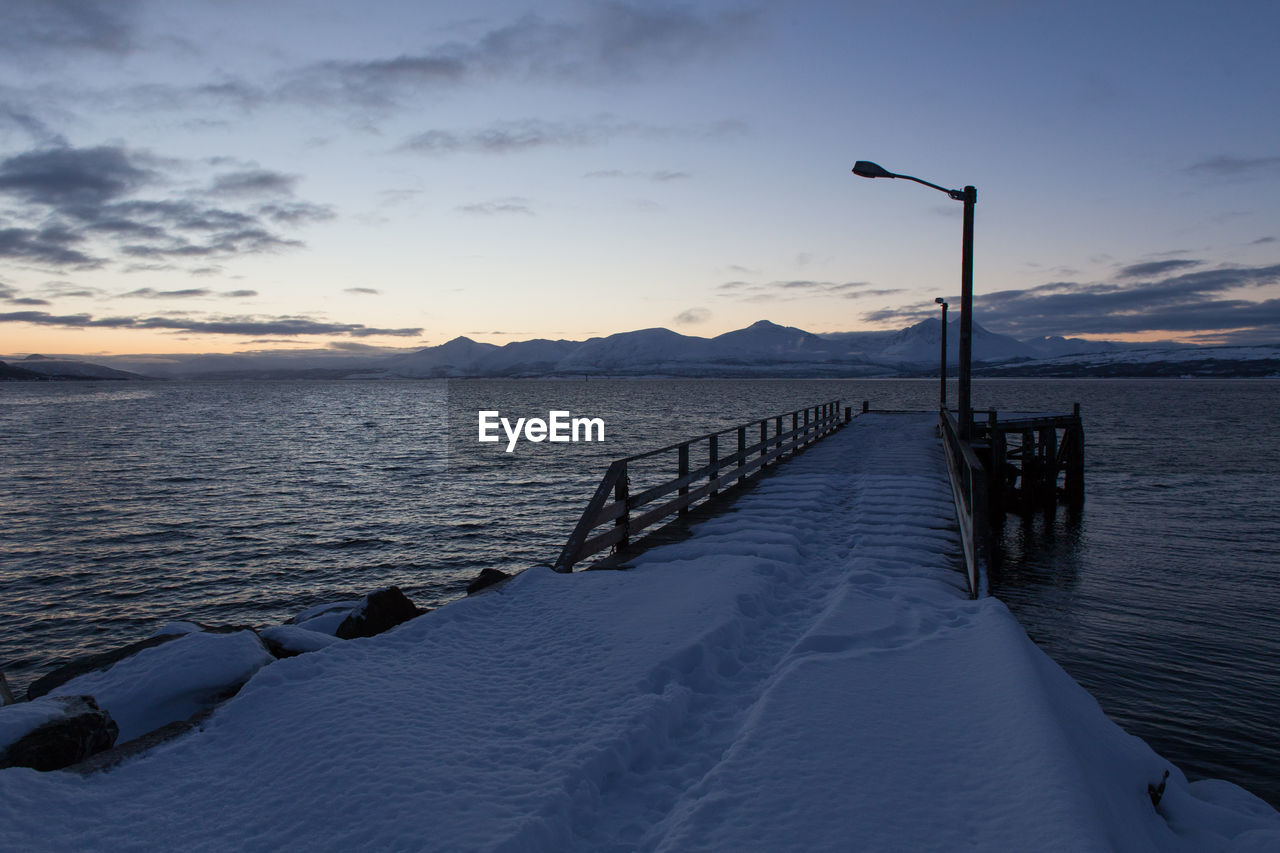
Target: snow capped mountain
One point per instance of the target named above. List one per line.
(643, 351)
(763, 341)
(61, 368)
(458, 357)
(919, 345)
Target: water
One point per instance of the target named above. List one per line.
(128, 506)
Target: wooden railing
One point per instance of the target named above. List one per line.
(632, 512)
(969, 489)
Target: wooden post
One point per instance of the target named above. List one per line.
(682, 469)
(777, 433)
(742, 449)
(866, 406)
(621, 492)
(764, 440)
(848, 414)
(1049, 461)
(714, 441)
(1074, 480)
(997, 479)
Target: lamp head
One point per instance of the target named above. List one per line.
(940, 301)
(867, 169)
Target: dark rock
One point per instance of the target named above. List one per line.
(379, 611)
(486, 578)
(83, 730)
(92, 663)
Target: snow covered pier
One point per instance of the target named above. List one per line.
(805, 672)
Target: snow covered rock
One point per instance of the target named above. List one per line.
(54, 732)
(380, 611)
(325, 618)
(286, 641)
(170, 682)
(92, 663)
(486, 579)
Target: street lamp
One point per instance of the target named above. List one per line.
(969, 196)
(942, 393)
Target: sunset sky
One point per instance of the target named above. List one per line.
(232, 175)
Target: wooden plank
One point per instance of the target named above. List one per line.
(572, 551)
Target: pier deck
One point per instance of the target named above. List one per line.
(804, 672)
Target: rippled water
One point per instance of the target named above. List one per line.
(127, 506)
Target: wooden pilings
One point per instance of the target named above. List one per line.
(1027, 457)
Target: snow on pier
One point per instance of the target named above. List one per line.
(806, 672)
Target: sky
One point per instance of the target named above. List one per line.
(236, 176)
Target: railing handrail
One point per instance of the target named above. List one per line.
(969, 490)
(819, 420)
(725, 431)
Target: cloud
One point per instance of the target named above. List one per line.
(83, 208)
(1227, 166)
(692, 316)
(49, 246)
(775, 291)
(1193, 301)
(658, 176)
(152, 293)
(1151, 268)
(498, 207)
(253, 182)
(610, 41)
(73, 176)
(368, 290)
(281, 326)
(36, 27)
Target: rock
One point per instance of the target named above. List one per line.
(286, 641)
(325, 618)
(92, 663)
(78, 729)
(379, 612)
(486, 578)
(171, 682)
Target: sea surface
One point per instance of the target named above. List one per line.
(128, 505)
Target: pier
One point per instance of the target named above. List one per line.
(804, 670)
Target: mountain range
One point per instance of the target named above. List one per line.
(763, 349)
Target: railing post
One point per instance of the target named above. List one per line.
(714, 452)
(866, 406)
(621, 492)
(764, 441)
(795, 425)
(777, 433)
(682, 469)
(742, 449)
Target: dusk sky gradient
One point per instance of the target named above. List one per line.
(229, 176)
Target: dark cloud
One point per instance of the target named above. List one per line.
(253, 182)
(1227, 166)
(283, 326)
(49, 246)
(82, 209)
(367, 290)
(1261, 241)
(152, 293)
(239, 294)
(1153, 268)
(73, 176)
(505, 137)
(1191, 301)
(27, 300)
(498, 207)
(692, 316)
(35, 27)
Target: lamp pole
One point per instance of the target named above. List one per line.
(942, 373)
(968, 195)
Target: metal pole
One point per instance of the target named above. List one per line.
(942, 401)
(966, 315)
